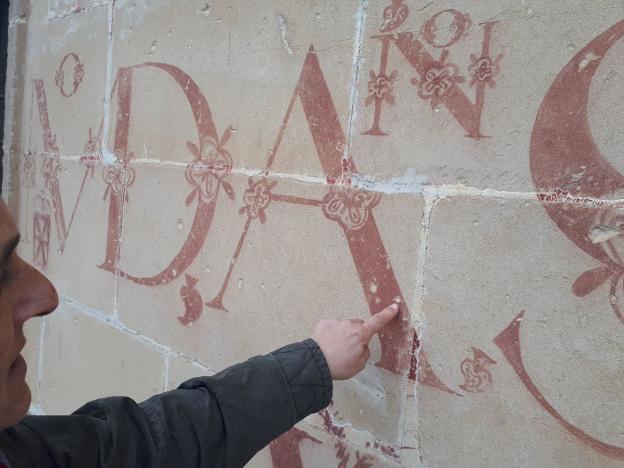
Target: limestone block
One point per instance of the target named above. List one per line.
(448, 92)
(246, 58)
(531, 367)
(65, 223)
(85, 358)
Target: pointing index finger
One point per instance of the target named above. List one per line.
(378, 321)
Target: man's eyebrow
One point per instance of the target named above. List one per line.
(8, 249)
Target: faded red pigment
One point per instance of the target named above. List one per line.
(351, 208)
(561, 148)
(437, 80)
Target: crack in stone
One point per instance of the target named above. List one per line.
(283, 33)
(76, 10)
(355, 77)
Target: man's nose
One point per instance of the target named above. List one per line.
(37, 297)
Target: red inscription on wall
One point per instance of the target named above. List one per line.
(207, 171)
(565, 158)
(192, 299)
(437, 80)
(351, 208)
(285, 451)
(200, 172)
(568, 168)
(509, 343)
(476, 374)
(51, 165)
(72, 61)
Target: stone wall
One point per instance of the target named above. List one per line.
(205, 181)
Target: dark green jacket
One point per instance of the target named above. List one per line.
(218, 421)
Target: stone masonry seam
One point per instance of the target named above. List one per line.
(358, 47)
(119, 326)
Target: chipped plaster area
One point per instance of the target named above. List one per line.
(283, 27)
(60, 9)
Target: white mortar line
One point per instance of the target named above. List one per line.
(73, 11)
(202, 367)
(107, 156)
(100, 316)
(121, 327)
(417, 313)
(409, 183)
(355, 73)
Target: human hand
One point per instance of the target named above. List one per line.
(345, 342)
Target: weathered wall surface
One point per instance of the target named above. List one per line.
(204, 181)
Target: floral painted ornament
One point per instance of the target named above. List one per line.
(29, 169)
(350, 207)
(438, 80)
(211, 164)
(394, 15)
(484, 69)
(118, 177)
(257, 198)
(41, 231)
(476, 374)
(446, 27)
(92, 153)
(607, 231)
(380, 87)
(50, 169)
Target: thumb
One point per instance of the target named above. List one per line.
(378, 321)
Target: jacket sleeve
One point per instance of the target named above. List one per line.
(217, 421)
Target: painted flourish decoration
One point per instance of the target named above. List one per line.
(484, 69)
(606, 232)
(380, 87)
(41, 231)
(438, 80)
(211, 164)
(29, 169)
(77, 74)
(50, 169)
(192, 299)
(92, 152)
(257, 199)
(446, 27)
(394, 15)
(475, 371)
(118, 177)
(350, 207)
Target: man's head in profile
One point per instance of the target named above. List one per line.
(24, 293)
